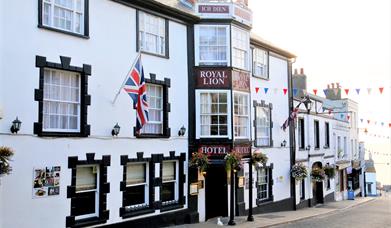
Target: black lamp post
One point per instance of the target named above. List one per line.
(115, 130)
(307, 103)
(231, 221)
(15, 126)
(250, 216)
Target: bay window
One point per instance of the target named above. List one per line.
(212, 42)
(86, 201)
(241, 115)
(136, 192)
(212, 114)
(152, 34)
(240, 48)
(65, 15)
(61, 101)
(260, 63)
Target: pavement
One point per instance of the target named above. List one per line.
(285, 217)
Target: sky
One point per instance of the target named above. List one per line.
(345, 41)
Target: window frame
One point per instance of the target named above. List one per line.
(166, 131)
(247, 64)
(247, 136)
(102, 214)
(263, 105)
(269, 184)
(175, 181)
(253, 63)
(85, 98)
(198, 113)
(166, 37)
(301, 133)
(327, 135)
(224, 63)
(96, 190)
(160, 110)
(85, 23)
(316, 135)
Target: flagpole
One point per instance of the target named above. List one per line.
(126, 77)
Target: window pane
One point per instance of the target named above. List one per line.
(241, 118)
(168, 171)
(84, 203)
(213, 113)
(134, 195)
(212, 45)
(152, 33)
(135, 173)
(168, 191)
(86, 178)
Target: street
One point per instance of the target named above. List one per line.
(374, 214)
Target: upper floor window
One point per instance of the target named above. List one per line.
(260, 63)
(263, 125)
(316, 134)
(327, 135)
(152, 34)
(213, 114)
(65, 15)
(240, 48)
(241, 115)
(212, 45)
(301, 133)
(155, 108)
(61, 101)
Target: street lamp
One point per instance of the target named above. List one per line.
(115, 130)
(307, 103)
(15, 126)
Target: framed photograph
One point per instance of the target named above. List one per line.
(46, 181)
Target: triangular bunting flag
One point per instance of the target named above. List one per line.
(266, 89)
(381, 89)
(389, 125)
(336, 90)
(358, 91)
(347, 91)
(348, 117)
(368, 121)
(295, 91)
(315, 91)
(256, 89)
(275, 90)
(285, 90)
(361, 120)
(325, 92)
(369, 91)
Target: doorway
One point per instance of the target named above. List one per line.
(317, 187)
(216, 194)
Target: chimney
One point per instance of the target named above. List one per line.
(301, 71)
(338, 85)
(333, 93)
(332, 85)
(295, 71)
(328, 86)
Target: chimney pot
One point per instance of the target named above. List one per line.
(295, 71)
(337, 85)
(328, 86)
(332, 85)
(301, 70)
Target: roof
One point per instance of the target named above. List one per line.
(257, 40)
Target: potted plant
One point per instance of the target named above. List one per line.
(317, 174)
(233, 159)
(299, 171)
(5, 157)
(199, 160)
(259, 157)
(329, 171)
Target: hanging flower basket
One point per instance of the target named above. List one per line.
(259, 157)
(329, 171)
(5, 157)
(317, 174)
(199, 160)
(299, 171)
(233, 159)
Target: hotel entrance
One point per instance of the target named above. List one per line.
(216, 191)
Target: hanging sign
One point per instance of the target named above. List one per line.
(213, 78)
(243, 149)
(213, 9)
(241, 81)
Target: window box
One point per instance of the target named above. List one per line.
(66, 16)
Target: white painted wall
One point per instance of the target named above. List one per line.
(370, 178)
(110, 50)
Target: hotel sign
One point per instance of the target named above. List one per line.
(214, 9)
(243, 149)
(207, 78)
(241, 81)
(214, 150)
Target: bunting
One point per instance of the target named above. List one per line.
(347, 91)
(266, 89)
(285, 90)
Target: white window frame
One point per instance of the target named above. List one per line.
(268, 110)
(96, 214)
(143, 129)
(267, 170)
(61, 101)
(74, 10)
(146, 184)
(245, 65)
(236, 93)
(198, 114)
(176, 181)
(225, 62)
(265, 64)
(161, 25)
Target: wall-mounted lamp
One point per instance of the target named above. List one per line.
(15, 126)
(308, 147)
(283, 144)
(182, 131)
(115, 130)
(307, 103)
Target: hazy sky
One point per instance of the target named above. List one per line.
(346, 41)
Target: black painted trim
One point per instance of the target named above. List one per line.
(104, 189)
(86, 22)
(166, 38)
(85, 98)
(166, 84)
(270, 107)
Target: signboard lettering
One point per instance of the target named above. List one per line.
(241, 81)
(244, 150)
(213, 78)
(219, 9)
(214, 150)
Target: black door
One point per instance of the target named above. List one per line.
(216, 198)
(318, 192)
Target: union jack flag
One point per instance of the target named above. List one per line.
(136, 88)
